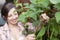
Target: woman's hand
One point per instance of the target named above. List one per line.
(30, 37)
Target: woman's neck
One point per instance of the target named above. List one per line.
(12, 25)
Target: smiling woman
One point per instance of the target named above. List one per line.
(12, 29)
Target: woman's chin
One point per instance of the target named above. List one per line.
(14, 23)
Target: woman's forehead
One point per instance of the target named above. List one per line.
(12, 10)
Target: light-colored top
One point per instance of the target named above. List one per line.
(5, 32)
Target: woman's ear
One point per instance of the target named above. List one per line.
(4, 18)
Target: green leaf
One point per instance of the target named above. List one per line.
(22, 17)
(45, 3)
(56, 30)
(33, 15)
(57, 6)
(41, 33)
(33, 1)
(35, 23)
(54, 38)
(55, 1)
(57, 15)
(26, 4)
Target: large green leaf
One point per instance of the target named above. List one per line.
(22, 17)
(41, 33)
(55, 1)
(57, 6)
(57, 15)
(45, 3)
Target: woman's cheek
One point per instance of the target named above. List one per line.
(9, 18)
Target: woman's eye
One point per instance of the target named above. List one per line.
(15, 13)
(9, 15)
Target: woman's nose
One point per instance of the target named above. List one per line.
(14, 17)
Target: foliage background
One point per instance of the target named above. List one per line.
(31, 12)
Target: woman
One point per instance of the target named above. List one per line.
(12, 30)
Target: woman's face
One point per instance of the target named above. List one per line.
(12, 16)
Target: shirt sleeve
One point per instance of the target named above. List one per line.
(0, 34)
(2, 37)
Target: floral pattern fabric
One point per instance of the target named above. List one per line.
(5, 32)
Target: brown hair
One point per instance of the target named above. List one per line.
(5, 9)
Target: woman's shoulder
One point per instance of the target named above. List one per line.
(1, 29)
(4, 27)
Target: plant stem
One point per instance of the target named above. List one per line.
(52, 33)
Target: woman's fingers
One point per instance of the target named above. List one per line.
(31, 37)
